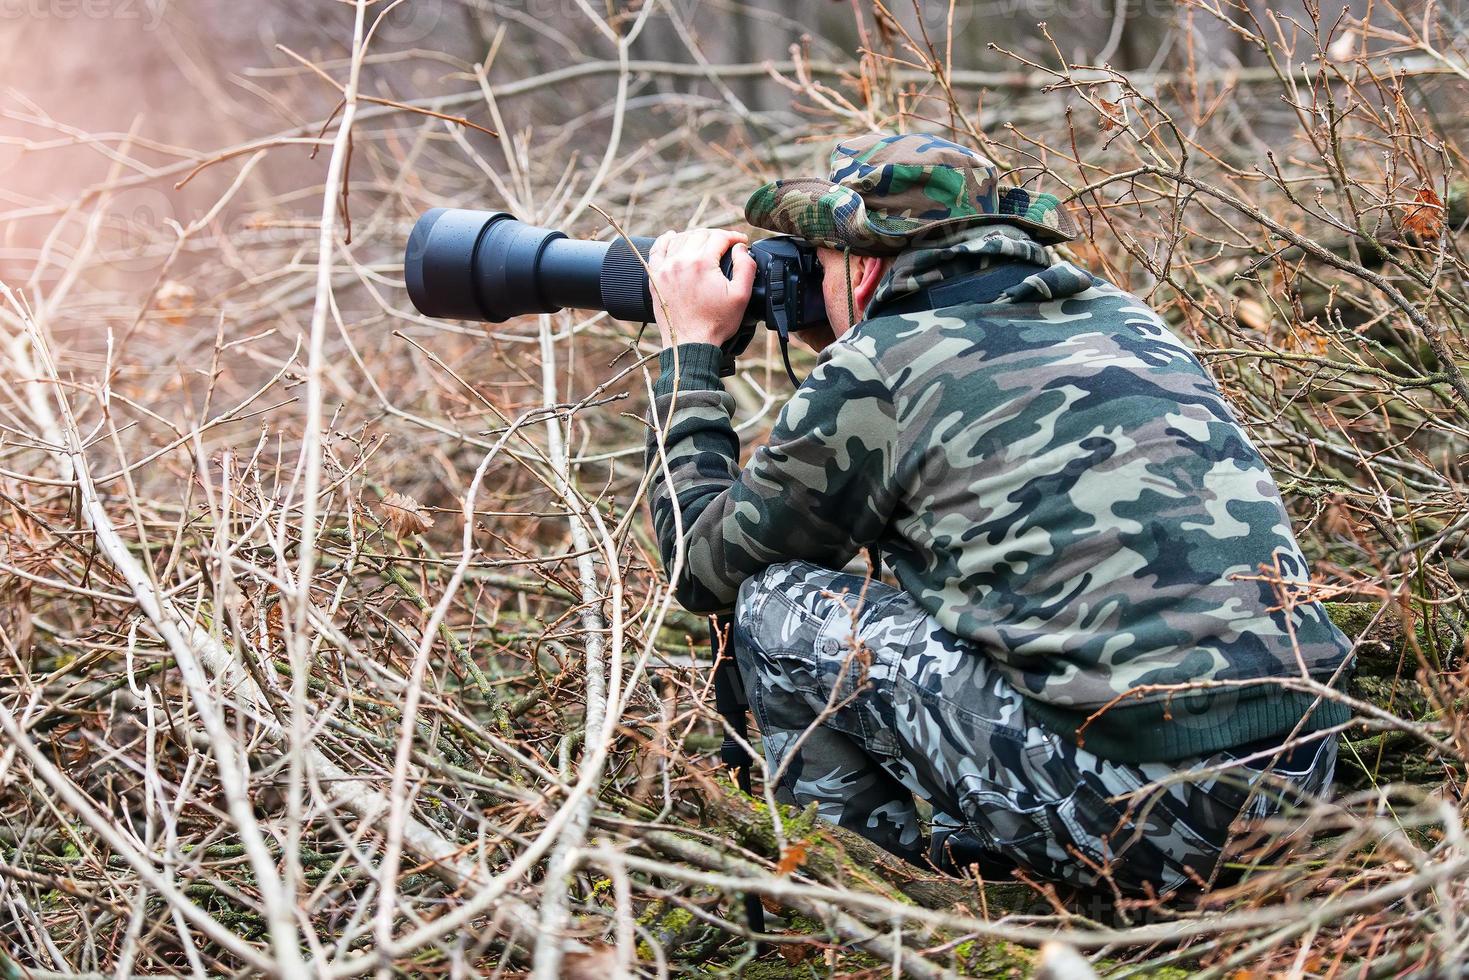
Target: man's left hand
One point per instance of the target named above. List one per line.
(692, 300)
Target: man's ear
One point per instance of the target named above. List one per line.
(867, 272)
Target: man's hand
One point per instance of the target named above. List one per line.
(692, 301)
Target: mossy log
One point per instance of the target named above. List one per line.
(1394, 658)
(841, 858)
(1383, 644)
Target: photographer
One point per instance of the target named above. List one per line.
(1079, 669)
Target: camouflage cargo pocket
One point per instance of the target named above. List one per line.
(1154, 830)
(863, 643)
(1007, 820)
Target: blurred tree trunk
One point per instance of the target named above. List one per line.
(1142, 35)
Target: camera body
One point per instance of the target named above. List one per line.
(786, 296)
(486, 265)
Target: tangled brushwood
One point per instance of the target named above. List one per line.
(332, 638)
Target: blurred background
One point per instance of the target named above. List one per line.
(183, 77)
(127, 121)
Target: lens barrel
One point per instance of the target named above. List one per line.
(486, 265)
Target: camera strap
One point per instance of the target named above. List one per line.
(785, 356)
(981, 287)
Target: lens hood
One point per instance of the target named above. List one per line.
(438, 262)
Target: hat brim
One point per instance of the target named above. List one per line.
(830, 214)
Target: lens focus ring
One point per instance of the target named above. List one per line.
(625, 282)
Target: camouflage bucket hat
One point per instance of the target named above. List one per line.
(887, 191)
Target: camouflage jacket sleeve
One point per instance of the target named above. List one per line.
(821, 489)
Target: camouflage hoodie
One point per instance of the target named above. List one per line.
(1053, 475)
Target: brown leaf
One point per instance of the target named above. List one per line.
(1307, 337)
(1425, 215)
(275, 627)
(793, 952)
(404, 515)
(1336, 517)
(1113, 116)
(175, 300)
(792, 857)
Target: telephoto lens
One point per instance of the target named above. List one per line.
(486, 265)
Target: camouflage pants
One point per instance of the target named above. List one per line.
(864, 701)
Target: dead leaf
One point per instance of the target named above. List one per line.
(793, 952)
(1308, 337)
(792, 857)
(1113, 115)
(175, 300)
(1336, 517)
(275, 627)
(1425, 215)
(404, 515)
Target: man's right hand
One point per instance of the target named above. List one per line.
(692, 300)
